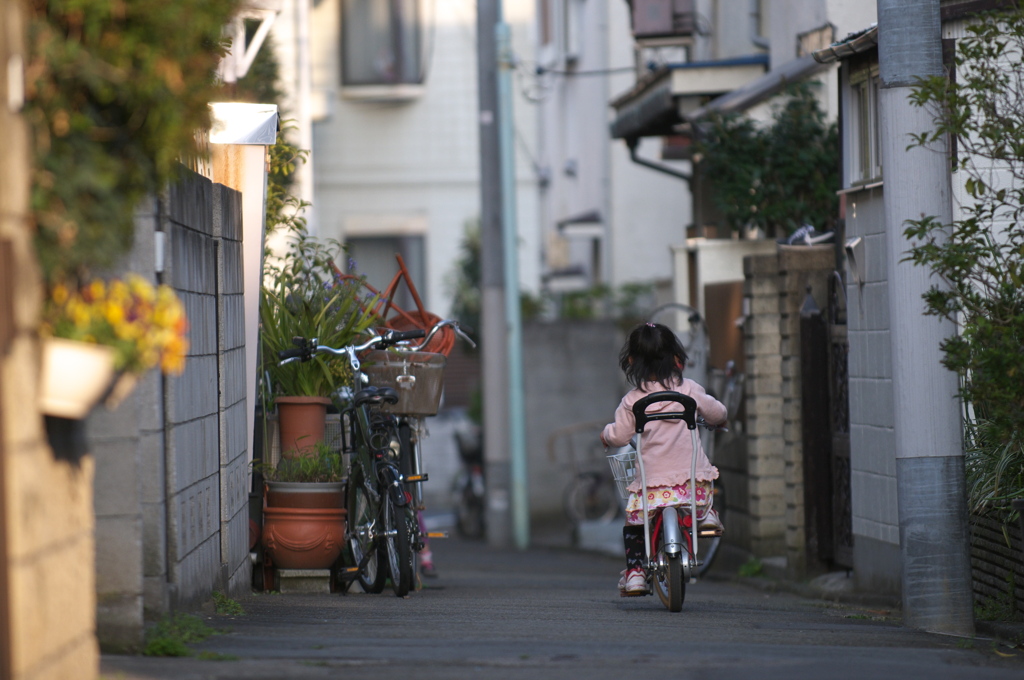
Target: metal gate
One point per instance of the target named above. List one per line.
(826, 427)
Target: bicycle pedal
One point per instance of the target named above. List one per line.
(437, 534)
(637, 593)
(708, 533)
(349, 570)
(418, 478)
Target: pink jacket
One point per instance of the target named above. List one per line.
(666, 445)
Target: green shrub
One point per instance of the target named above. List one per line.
(115, 94)
(776, 177)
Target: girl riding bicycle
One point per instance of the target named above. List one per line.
(653, 359)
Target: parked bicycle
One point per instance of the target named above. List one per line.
(417, 376)
(383, 530)
(469, 487)
(590, 494)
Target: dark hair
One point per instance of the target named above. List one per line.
(652, 353)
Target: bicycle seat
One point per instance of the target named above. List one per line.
(375, 395)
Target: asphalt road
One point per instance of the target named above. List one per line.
(551, 613)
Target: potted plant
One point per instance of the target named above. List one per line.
(304, 510)
(313, 481)
(119, 328)
(303, 297)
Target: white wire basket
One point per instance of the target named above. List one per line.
(623, 465)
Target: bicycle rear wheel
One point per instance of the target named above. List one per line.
(398, 547)
(362, 520)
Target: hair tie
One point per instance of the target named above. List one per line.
(651, 324)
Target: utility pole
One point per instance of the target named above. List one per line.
(504, 452)
(934, 540)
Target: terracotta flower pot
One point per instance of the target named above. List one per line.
(303, 538)
(301, 421)
(306, 494)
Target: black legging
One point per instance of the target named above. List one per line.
(633, 540)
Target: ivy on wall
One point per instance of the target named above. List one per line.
(115, 93)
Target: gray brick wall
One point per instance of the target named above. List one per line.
(757, 522)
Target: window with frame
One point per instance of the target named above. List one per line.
(865, 144)
(381, 42)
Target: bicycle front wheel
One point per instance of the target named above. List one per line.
(669, 584)
(398, 545)
(362, 526)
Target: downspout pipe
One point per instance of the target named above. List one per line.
(634, 142)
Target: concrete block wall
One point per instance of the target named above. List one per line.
(234, 458)
(126, 442)
(760, 527)
(876, 547)
(172, 484)
(192, 399)
(570, 376)
(800, 268)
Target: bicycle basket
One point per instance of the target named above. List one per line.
(418, 377)
(623, 465)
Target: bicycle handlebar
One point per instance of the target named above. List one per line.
(306, 348)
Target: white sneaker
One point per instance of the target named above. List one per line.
(711, 524)
(633, 583)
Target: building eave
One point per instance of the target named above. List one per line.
(762, 89)
(855, 43)
(661, 99)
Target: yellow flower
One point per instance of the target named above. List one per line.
(144, 323)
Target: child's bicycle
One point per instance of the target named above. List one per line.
(671, 545)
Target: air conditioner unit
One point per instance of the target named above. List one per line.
(662, 18)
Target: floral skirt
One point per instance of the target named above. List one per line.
(664, 496)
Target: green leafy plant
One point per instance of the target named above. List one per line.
(171, 635)
(751, 568)
(222, 604)
(978, 260)
(303, 296)
(323, 465)
(113, 100)
(777, 177)
(1002, 607)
